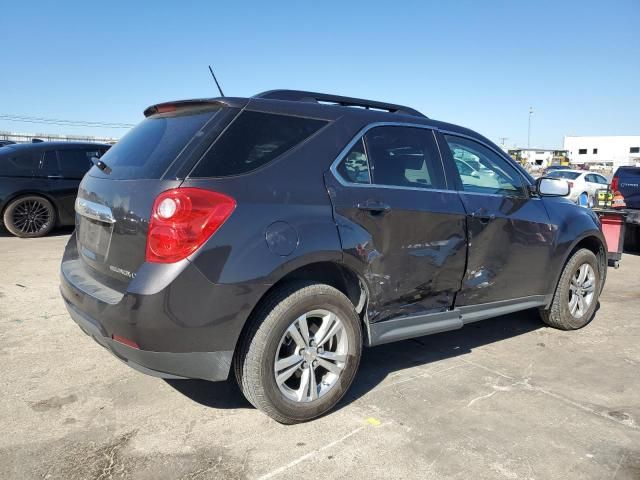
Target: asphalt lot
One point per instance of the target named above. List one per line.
(505, 398)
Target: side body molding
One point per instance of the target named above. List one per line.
(404, 328)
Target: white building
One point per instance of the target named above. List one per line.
(535, 158)
(611, 151)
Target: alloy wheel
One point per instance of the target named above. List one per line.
(31, 216)
(311, 355)
(581, 290)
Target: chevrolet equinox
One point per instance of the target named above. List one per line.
(277, 235)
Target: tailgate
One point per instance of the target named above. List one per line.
(112, 219)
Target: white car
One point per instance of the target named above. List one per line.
(581, 182)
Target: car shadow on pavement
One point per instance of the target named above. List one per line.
(56, 232)
(223, 395)
(378, 362)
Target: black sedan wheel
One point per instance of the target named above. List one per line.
(29, 217)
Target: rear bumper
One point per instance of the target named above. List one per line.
(204, 365)
(183, 325)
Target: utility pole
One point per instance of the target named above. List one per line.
(529, 129)
(503, 140)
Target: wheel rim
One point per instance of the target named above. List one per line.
(31, 216)
(582, 290)
(311, 356)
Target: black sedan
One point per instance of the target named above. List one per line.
(39, 183)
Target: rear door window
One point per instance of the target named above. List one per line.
(563, 174)
(150, 148)
(49, 164)
(74, 163)
(404, 157)
(354, 167)
(601, 180)
(254, 139)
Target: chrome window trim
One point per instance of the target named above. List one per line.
(360, 135)
(95, 211)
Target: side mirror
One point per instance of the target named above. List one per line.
(552, 187)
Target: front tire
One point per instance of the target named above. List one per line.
(300, 352)
(30, 216)
(576, 296)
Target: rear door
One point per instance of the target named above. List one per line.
(72, 163)
(510, 235)
(399, 225)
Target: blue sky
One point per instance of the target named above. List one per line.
(480, 64)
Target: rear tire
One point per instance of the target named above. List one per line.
(281, 358)
(30, 216)
(576, 296)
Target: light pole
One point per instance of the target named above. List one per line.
(529, 129)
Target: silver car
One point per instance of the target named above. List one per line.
(582, 183)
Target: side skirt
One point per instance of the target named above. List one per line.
(420, 325)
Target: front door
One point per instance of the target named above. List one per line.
(400, 227)
(510, 234)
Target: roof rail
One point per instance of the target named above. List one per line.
(302, 96)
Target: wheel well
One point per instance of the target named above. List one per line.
(329, 273)
(595, 245)
(590, 243)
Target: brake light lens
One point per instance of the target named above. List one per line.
(570, 185)
(183, 219)
(614, 184)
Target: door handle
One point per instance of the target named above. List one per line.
(55, 176)
(375, 208)
(483, 216)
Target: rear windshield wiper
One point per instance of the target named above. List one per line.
(101, 165)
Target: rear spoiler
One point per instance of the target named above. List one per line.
(188, 104)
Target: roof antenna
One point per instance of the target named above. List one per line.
(216, 80)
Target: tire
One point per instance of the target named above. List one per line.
(632, 237)
(268, 337)
(565, 312)
(30, 216)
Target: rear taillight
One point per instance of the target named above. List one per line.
(614, 184)
(570, 185)
(183, 219)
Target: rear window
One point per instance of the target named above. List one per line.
(563, 174)
(628, 172)
(75, 163)
(151, 147)
(253, 140)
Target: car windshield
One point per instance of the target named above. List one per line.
(564, 174)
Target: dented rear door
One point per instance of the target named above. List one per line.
(400, 228)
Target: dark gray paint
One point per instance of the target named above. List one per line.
(418, 280)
